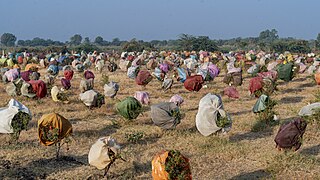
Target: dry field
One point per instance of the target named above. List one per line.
(243, 153)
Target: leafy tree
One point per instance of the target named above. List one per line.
(189, 42)
(8, 39)
(99, 40)
(116, 42)
(76, 39)
(268, 36)
(203, 43)
(132, 46)
(39, 42)
(318, 41)
(242, 44)
(136, 46)
(158, 43)
(185, 42)
(86, 40)
(21, 43)
(172, 42)
(279, 46)
(86, 47)
(299, 46)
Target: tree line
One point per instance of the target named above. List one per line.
(268, 40)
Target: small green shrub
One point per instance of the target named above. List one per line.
(104, 79)
(134, 137)
(19, 122)
(314, 118)
(223, 122)
(268, 114)
(176, 166)
(50, 134)
(62, 96)
(317, 96)
(100, 100)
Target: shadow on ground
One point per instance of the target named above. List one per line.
(314, 150)
(290, 100)
(259, 174)
(310, 84)
(108, 130)
(39, 169)
(240, 113)
(259, 130)
(293, 90)
(249, 136)
(299, 79)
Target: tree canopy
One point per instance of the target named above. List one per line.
(76, 39)
(268, 40)
(8, 39)
(189, 42)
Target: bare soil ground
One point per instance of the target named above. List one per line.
(243, 153)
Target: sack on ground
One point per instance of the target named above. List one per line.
(290, 135)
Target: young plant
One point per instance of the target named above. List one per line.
(104, 79)
(177, 166)
(52, 134)
(100, 100)
(222, 122)
(315, 117)
(268, 114)
(317, 96)
(19, 122)
(62, 97)
(134, 137)
(177, 115)
(113, 157)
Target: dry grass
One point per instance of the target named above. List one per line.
(241, 154)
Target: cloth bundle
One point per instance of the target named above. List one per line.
(91, 98)
(176, 99)
(290, 135)
(68, 74)
(8, 113)
(166, 115)
(210, 113)
(143, 77)
(86, 84)
(99, 152)
(194, 83)
(14, 88)
(111, 89)
(53, 70)
(167, 84)
(50, 122)
(285, 71)
(231, 92)
(142, 97)
(66, 83)
(129, 108)
(26, 90)
(39, 87)
(88, 75)
(12, 74)
(133, 72)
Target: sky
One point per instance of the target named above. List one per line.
(158, 19)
